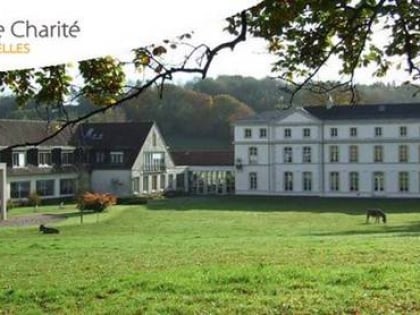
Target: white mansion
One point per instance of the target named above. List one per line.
(363, 150)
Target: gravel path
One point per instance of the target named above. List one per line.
(31, 219)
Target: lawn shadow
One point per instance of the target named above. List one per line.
(408, 229)
(352, 206)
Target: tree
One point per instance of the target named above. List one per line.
(306, 34)
(303, 34)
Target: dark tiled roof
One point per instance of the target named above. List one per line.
(203, 158)
(14, 132)
(118, 136)
(265, 116)
(362, 112)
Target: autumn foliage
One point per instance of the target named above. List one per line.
(96, 202)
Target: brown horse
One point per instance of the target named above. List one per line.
(377, 214)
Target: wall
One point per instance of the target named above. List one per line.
(271, 165)
(117, 182)
(34, 179)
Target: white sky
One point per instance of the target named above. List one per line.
(252, 59)
(111, 27)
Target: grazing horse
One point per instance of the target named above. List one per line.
(48, 230)
(377, 214)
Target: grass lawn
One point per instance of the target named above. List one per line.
(227, 255)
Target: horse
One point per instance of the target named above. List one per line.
(377, 214)
(48, 230)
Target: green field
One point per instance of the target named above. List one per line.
(226, 255)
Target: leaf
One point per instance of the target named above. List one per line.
(160, 50)
(159, 69)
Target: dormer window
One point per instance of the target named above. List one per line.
(67, 157)
(18, 159)
(44, 158)
(117, 157)
(263, 133)
(247, 133)
(100, 157)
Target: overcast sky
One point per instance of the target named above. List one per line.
(112, 27)
(252, 59)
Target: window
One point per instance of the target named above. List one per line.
(117, 157)
(154, 161)
(171, 181)
(307, 156)
(307, 181)
(403, 181)
(334, 181)
(378, 181)
(378, 131)
(162, 181)
(403, 153)
(306, 132)
(419, 154)
(253, 155)
(67, 186)
(287, 133)
(154, 140)
(334, 154)
(253, 181)
(288, 181)
(44, 158)
(248, 133)
(136, 185)
(353, 132)
(154, 182)
(354, 181)
(230, 182)
(19, 189)
(67, 157)
(378, 153)
(288, 155)
(263, 133)
(100, 157)
(353, 153)
(18, 159)
(45, 187)
(333, 132)
(403, 131)
(146, 183)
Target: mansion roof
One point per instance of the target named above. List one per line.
(359, 112)
(336, 113)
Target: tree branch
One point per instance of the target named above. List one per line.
(136, 91)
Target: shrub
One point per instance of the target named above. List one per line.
(10, 204)
(34, 199)
(131, 200)
(96, 202)
(174, 193)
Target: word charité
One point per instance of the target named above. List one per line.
(26, 29)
